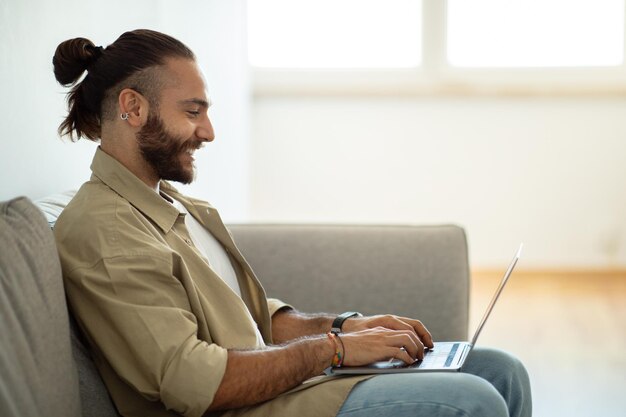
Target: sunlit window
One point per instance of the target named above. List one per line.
(535, 33)
(335, 33)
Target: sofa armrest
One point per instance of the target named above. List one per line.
(412, 271)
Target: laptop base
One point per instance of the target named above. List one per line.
(445, 357)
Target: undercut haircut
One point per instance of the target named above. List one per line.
(135, 60)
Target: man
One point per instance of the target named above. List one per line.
(176, 320)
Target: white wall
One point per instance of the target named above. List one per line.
(35, 162)
(547, 171)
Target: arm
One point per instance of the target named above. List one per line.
(166, 363)
(255, 376)
(289, 324)
(259, 375)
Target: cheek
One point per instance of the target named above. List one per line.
(179, 131)
(177, 124)
(185, 129)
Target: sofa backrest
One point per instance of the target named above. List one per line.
(411, 271)
(46, 369)
(39, 377)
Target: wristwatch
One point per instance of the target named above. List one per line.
(338, 322)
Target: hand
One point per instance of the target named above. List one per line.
(370, 345)
(391, 322)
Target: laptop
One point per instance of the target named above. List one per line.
(444, 357)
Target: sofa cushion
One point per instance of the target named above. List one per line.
(93, 393)
(53, 205)
(39, 377)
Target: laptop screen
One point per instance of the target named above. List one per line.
(503, 282)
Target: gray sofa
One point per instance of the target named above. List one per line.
(417, 271)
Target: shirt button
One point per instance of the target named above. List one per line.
(188, 241)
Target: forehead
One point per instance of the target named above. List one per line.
(184, 81)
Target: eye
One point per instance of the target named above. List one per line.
(193, 113)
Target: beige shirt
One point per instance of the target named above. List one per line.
(211, 249)
(217, 258)
(158, 319)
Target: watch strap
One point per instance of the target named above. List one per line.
(338, 322)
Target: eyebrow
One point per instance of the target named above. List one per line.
(198, 101)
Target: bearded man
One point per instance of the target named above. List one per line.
(175, 318)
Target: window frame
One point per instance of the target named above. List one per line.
(435, 76)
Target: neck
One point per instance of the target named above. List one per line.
(131, 158)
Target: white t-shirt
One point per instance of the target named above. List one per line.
(216, 255)
(211, 248)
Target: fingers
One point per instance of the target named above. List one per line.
(406, 340)
(423, 333)
(403, 323)
(410, 344)
(421, 330)
(403, 355)
(380, 343)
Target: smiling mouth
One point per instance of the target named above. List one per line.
(192, 149)
(188, 155)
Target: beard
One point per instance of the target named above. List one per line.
(162, 150)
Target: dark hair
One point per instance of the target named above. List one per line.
(126, 63)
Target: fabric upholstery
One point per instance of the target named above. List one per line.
(93, 393)
(42, 378)
(39, 377)
(53, 205)
(413, 271)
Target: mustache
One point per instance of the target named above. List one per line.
(191, 144)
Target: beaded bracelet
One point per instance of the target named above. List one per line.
(337, 358)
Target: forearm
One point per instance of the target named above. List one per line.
(289, 324)
(255, 376)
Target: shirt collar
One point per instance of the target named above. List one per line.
(153, 205)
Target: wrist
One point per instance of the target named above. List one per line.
(338, 348)
(337, 325)
(323, 349)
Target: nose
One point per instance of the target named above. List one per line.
(205, 131)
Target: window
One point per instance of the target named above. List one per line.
(433, 46)
(334, 33)
(535, 33)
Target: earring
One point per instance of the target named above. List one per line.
(124, 116)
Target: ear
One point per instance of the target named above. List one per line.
(136, 105)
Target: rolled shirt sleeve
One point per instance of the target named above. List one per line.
(138, 314)
(274, 304)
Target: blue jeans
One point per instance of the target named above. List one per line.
(492, 384)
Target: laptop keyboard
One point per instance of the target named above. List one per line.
(438, 359)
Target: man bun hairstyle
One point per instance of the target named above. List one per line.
(132, 61)
(72, 58)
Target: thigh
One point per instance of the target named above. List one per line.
(506, 373)
(424, 394)
(488, 363)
